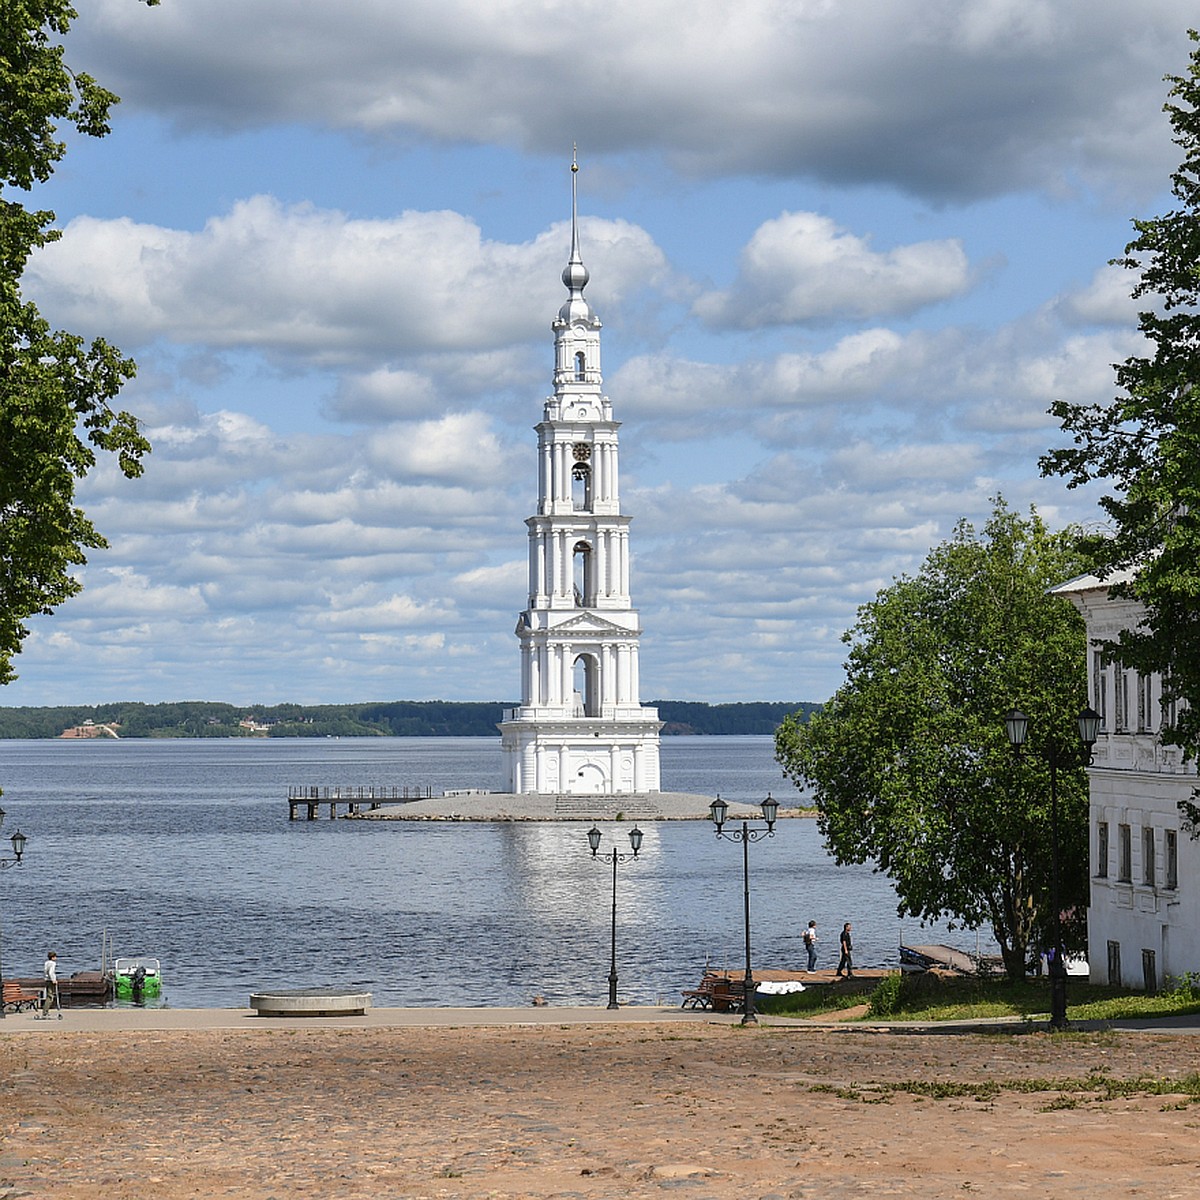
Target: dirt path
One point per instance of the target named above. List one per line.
(710, 1110)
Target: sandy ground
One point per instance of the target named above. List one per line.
(700, 1107)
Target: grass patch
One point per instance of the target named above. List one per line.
(812, 1000)
(1066, 1092)
(928, 996)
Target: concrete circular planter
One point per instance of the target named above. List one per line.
(311, 1002)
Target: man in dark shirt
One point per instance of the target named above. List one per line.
(846, 962)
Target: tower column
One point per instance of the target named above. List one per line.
(564, 474)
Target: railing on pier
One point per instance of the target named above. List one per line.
(311, 798)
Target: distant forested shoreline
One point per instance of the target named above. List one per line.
(395, 718)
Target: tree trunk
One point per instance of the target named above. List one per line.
(1014, 960)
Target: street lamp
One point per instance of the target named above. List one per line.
(18, 841)
(614, 857)
(719, 810)
(1016, 725)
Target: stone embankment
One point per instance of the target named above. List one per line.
(505, 806)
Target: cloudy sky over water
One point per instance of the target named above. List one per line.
(846, 254)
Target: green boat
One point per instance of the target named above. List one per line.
(137, 978)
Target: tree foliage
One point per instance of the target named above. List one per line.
(1146, 442)
(909, 761)
(393, 718)
(55, 389)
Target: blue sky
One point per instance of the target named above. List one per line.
(846, 255)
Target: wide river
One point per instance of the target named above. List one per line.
(182, 850)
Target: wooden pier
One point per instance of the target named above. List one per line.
(310, 799)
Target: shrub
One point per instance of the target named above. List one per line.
(887, 997)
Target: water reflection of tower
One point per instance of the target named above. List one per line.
(580, 728)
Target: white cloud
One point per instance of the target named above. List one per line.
(390, 612)
(460, 448)
(122, 592)
(873, 468)
(1104, 300)
(801, 267)
(855, 366)
(386, 393)
(320, 287)
(933, 96)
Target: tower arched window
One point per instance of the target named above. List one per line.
(580, 365)
(585, 584)
(587, 686)
(581, 487)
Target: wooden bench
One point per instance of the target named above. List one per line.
(718, 993)
(16, 997)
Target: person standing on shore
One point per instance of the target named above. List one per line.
(50, 981)
(810, 944)
(846, 962)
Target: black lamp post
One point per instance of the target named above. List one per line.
(18, 841)
(614, 857)
(1016, 725)
(719, 810)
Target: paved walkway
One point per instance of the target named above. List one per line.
(91, 1020)
(96, 1020)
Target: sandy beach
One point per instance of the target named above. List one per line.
(574, 1104)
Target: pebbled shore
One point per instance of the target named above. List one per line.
(598, 1111)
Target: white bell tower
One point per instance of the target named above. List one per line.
(580, 728)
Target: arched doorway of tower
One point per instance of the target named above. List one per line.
(590, 780)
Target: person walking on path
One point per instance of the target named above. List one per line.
(846, 962)
(50, 980)
(810, 944)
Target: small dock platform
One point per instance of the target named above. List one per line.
(83, 987)
(947, 958)
(354, 799)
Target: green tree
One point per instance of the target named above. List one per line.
(1145, 443)
(909, 762)
(55, 390)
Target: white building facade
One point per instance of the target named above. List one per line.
(1144, 913)
(580, 727)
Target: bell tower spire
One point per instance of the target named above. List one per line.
(580, 727)
(575, 274)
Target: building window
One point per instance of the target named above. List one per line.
(1168, 707)
(580, 366)
(1120, 698)
(1125, 854)
(1100, 687)
(1114, 963)
(1102, 849)
(1171, 851)
(1145, 705)
(1148, 856)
